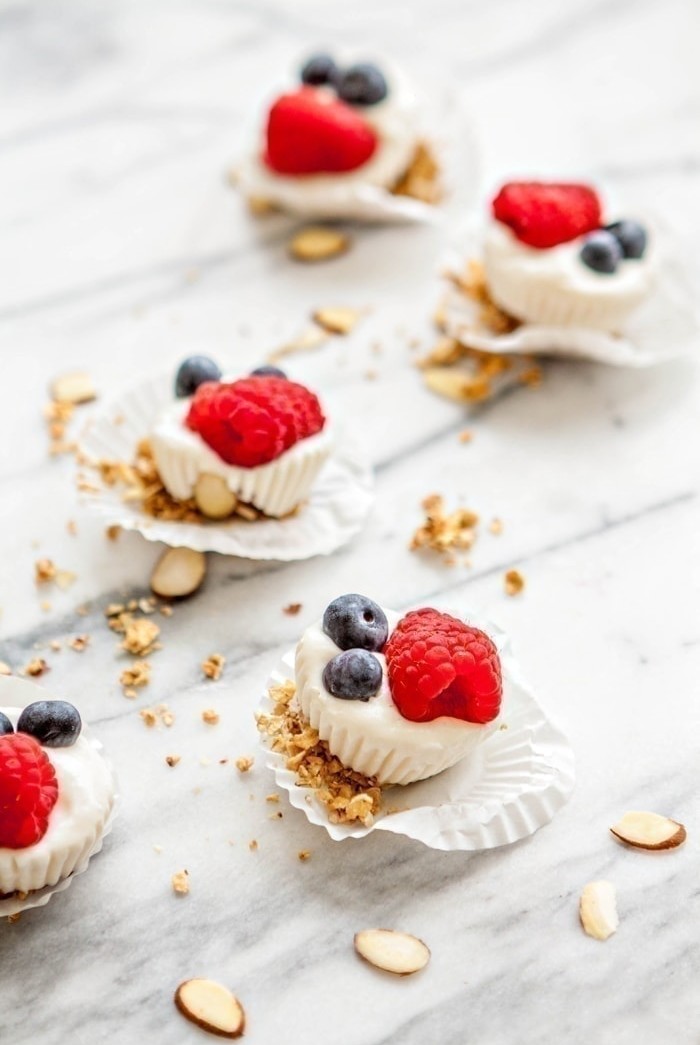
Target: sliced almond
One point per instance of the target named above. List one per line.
(213, 497)
(337, 320)
(392, 951)
(598, 910)
(318, 243)
(649, 831)
(211, 1006)
(178, 573)
(73, 388)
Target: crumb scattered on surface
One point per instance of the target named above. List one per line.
(79, 643)
(304, 855)
(138, 674)
(181, 883)
(318, 243)
(210, 716)
(347, 795)
(244, 763)
(140, 635)
(213, 666)
(444, 531)
(44, 571)
(36, 667)
(172, 760)
(72, 527)
(292, 609)
(159, 714)
(5, 669)
(496, 527)
(253, 845)
(272, 798)
(112, 532)
(421, 180)
(472, 282)
(337, 319)
(514, 582)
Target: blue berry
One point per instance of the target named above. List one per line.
(355, 622)
(192, 373)
(601, 252)
(268, 371)
(631, 236)
(353, 675)
(5, 725)
(54, 723)
(319, 69)
(362, 84)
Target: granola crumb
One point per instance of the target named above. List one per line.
(210, 716)
(159, 714)
(172, 760)
(36, 667)
(496, 527)
(45, 605)
(44, 571)
(466, 436)
(165, 610)
(244, 763)
(79, 643)
(112, 532)
(272, 798)
(347, 795)
(180, 882)
(140, 636)
(292, 609)
(5, 669)
(149, 717)
(139, 674)
(55, 645)
(72, 527)
(213, 666)
(445, 531)
(514, 582)
(253, 845)
(130, 693)
(12, 918)
(304, 855)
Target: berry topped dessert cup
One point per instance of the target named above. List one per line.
(57, 794)
(551, 258)
(398, 699)
(340, 143)
(260, 440)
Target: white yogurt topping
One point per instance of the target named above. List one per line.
(85, 798)
(561, 267)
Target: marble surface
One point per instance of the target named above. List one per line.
(121, 250)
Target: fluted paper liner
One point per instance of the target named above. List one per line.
(511, 785)
(336, 509)
(664, 327)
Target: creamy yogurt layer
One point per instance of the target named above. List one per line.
(85, 801)
(373, 737)
(554, 287)
(276, 488)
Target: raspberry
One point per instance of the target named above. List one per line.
(437, 665)
(28, 791)
(545, 214)
(254, 420)
(311, 132)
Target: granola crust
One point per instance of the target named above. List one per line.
(348, 796)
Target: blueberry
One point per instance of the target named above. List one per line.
(54, 723)
(362, 84)
(319, 69)
(268, 371)
(192, 373)
(631, 236)
(353, 675)
(355, 622)
(601, 252)
(5, 725)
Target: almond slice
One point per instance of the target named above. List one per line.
(318, 243)
(213, 497)
(598, 910)
(649, 831)
(178, 572)
(337, 320)
(212, 1007)
(73, 388)
(392, 951)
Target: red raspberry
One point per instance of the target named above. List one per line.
(311, 132)
(437, 665)
(544, 214)
(253, 421)
(28, 791)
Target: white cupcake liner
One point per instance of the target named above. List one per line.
(337, 507)
(664, 327)
(57, 869)
(506, 789)
(275, 488)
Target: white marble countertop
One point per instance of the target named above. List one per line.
(122, 250)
